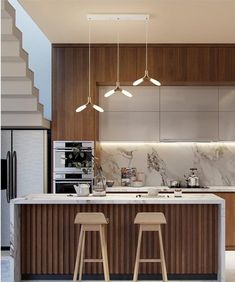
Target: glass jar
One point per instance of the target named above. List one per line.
(99, 187)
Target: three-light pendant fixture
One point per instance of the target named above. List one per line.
(118, 88)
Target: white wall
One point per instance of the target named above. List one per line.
(37, 45)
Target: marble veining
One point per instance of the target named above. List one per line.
(162, 162)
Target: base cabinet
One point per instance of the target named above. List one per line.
(230, 219)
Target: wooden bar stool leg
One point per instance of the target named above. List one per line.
(82, 255)
(104, 254)
(137, 259)
(78, 255)
(163, 263)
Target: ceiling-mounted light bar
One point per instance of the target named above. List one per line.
(120, 17)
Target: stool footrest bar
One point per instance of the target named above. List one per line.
(149, 260)
(92, 260)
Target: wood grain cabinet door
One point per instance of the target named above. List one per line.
(230, 219)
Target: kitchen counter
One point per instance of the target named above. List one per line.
(112, 198)
(194, 236)
(210, 189)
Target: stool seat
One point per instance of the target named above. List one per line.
(150, 218)
(90, 218)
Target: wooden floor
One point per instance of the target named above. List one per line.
(49, 239)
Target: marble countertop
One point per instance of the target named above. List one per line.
(210, 189)
(126, 198)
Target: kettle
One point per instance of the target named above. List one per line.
(192, 180)
(82, 189)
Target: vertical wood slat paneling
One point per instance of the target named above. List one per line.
(49, 222)
(38, 238)
(55, 242)
(44, 238)
(190, 239)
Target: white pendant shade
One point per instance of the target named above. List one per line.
(98, 108)
(138, 81)
(109, 93)
(81, 108)
(154, 81)
(127, 93)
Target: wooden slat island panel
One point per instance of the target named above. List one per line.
(49, 239)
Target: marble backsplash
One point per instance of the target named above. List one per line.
(162, 162)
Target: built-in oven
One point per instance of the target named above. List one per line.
(73, 165)
(73, 155)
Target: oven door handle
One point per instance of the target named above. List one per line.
(71, 150)
(64, 150)
(71, 181)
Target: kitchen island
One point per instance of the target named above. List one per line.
(44, 237)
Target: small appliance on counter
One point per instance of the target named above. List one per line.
(73, 165)
(174, 183)
(128, 175)
(131, 178)
(192, 179)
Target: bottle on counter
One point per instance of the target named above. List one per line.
(99, 187)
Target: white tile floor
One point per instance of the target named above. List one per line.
(230, 269)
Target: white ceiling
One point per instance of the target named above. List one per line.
(171, 21)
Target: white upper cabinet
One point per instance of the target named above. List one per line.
(168, 113)
(130, 119)
(189, 113)
(227, 113)
(145, 99)
(189, 126)
(186, 98)
(129, 126)
(227, 99)
(227, 126)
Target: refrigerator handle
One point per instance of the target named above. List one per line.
(8, 190)
(14, 175)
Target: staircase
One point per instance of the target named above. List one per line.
(19, 96)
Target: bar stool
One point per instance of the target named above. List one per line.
(91, 221)
(150, 221)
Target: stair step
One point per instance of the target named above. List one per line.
(10, 48)
(24, 119)
(20, 103)
(16, 85)
(7, 10)
(14, 66)
(6, 25)
(12, 59)
(13, 36)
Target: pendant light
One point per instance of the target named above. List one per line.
(146, 76)
(118, 87)
(89, 102)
